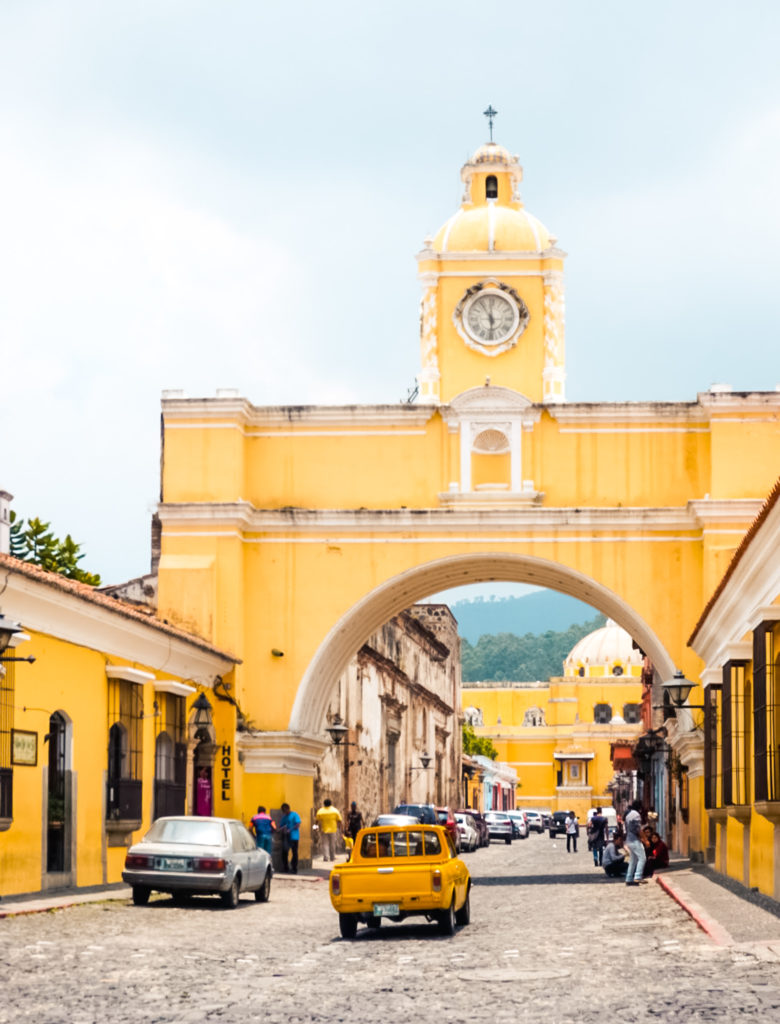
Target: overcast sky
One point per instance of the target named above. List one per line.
(231, 194)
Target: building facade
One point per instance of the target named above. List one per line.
(290, 535)
(401, 696)
(560, 735)
(100, 733)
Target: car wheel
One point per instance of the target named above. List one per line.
(374, 922)
(447, 919)
(348, 925)
(141, 895)
(508, 840)
(231, 897)
(463, 916)
(263, 894)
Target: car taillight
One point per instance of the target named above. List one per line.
(335, 884)
(437, 880)
(209, 864)
(138, 860)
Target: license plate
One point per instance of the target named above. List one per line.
(386, 910)
(172, 864)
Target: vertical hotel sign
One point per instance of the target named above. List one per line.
(225, 770)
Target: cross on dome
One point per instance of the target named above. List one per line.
(490, 114)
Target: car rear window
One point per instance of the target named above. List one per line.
(404, 843)
(195, 833)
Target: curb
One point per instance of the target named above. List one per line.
(708, 925)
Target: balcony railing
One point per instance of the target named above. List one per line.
(124, 800)
(6, 793)
(168, 798)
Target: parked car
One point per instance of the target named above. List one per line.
(397, 872)
(519, 824)
(535, 821)
(425, 813)
(188, 855)
(558, 824)
(499, 826)
(546, 814)
(469, 836)
(446, 819)
(396, 819)
(479, 821)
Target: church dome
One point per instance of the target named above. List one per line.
(608, 651)
(491, 217)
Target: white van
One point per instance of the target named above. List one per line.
(612, 821)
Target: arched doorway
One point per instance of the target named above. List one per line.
(411, 586)
(59, 802)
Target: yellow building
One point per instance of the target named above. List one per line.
(738, 639)
(289, 535)
(100, 733)
(559, 735)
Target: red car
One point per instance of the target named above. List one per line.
(447, 820)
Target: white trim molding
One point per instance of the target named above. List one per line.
(132, 675)
(281, 753)
(171, 686)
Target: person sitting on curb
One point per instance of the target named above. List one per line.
(613, 859)
(658, 855)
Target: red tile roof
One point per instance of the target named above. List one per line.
(83, 592)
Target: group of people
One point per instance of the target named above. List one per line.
(329, 822)
(647, 852)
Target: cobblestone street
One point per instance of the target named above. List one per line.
(551, 939)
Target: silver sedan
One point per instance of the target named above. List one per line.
(189, 855)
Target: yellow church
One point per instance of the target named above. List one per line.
(290, 534)
(561, 735)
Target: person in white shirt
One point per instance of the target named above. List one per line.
(636, 849)
(572, 830)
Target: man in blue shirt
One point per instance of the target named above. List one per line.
(290, 828)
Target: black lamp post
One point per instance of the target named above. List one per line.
(337, 731)
(8, 630)
(677, 689)
(202, 721)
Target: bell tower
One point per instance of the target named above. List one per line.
(493, 300)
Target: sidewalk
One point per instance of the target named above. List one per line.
(727, 912)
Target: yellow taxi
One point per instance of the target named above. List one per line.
(396, 872)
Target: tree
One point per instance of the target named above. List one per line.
(473, 744)
(35, 543)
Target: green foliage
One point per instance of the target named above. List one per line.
(35, 543)
(473, 744)
(505, 657)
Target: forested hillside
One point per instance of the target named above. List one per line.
(529, 613)
(507, 657)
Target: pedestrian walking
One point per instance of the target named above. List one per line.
(636, 849)
(354, 821)
(290, 828)
(329, 820)
(572, 831)
(597, 836)
(263, 826)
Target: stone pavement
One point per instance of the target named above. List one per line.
(551, 939)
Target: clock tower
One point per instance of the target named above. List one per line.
(493, 303)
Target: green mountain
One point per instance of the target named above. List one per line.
(537, 612)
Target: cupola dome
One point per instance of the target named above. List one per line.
(608, 651)
(491, 217)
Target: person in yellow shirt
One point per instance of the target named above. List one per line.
(329, 821)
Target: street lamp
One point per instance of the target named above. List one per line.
(202, 720)
(677, 689)
(337, 731)
(8, 630)
(425, 760)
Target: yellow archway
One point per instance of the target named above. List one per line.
(381, 604)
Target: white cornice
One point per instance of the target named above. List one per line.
(769, 613)
(741, 651)
(711, 676)
(491, 256)
(281, 753)
(133, 675)
(655, 414)
(240, 414)
(754, 584)
(241, 516)
(708, 510)
(53, 612)
(739, 401)
(170, 686)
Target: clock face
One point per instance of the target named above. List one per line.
(491, 317)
